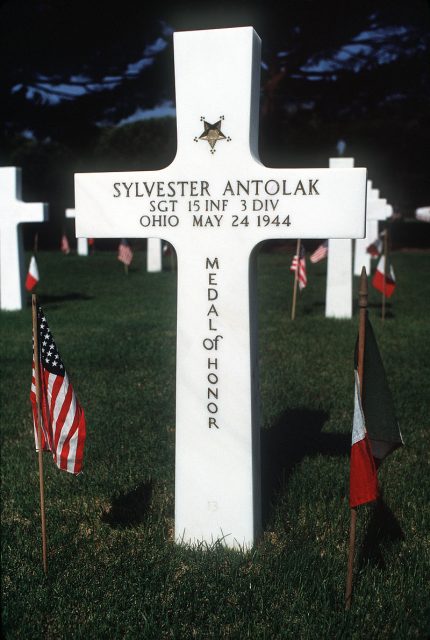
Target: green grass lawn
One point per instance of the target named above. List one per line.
(114, 571)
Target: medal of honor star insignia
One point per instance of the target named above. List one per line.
(212, 133)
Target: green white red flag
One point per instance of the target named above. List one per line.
(33, 275)
(363, 486)
(384, 282)
(376, 247)
(376, 431)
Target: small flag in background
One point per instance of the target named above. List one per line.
(301, 276)
(320, 252)
(63, 421)
(376, 247)
(381, 430)
(65, 247)
(32, 276)
(125, 253)
(385, 283)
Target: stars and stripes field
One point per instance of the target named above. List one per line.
(113, 570)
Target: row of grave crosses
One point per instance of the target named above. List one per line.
(154, 254)
(339, 257)
(14, 212)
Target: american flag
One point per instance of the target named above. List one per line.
(65, 247)
(301, 276)
(63, 420)
(320, 252)
(125, 253)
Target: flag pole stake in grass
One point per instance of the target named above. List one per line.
(296, 279)
(39, 428)
(362, 303)
(385, 273)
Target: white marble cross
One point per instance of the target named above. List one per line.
(14, 212)
(154, 255)
(338, 300)
(377, 209)
(215, 203)
(82, 242)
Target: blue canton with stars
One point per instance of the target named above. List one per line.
(49, 356)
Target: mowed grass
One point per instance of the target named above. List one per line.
(114, 571)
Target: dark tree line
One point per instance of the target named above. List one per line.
(352, 70)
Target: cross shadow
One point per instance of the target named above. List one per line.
(377, 306)
(129, 509)
(309, 309)
(382, 532)
(296, 434)
(66, 297)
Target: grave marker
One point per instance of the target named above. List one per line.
(338, 301)
(82, 242)
(377, 209)
(13, 213)
(154, 255)
(423, 214)
(215, 203)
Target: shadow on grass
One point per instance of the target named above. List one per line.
(309, 309)
(376, 308)
(296, 434)
(129, 509)
(383, 531)
(66, 297)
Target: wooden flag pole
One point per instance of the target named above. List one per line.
(296, 279)
(362, 303)
(385, 272)
(172, 259)
(39, 427)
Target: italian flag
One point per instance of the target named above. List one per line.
(32, 275)
(385, 283)
(363, 479)
(375, 249)
(375, 432)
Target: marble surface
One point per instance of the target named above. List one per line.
(13, 213)
(82, 248)
(377, 209)
(338, 300)
(154, 255)
(215, 203)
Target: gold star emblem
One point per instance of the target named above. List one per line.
(212, 133)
